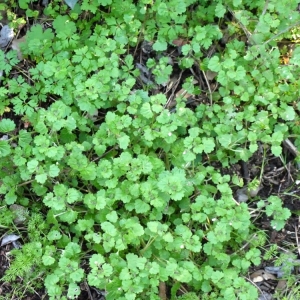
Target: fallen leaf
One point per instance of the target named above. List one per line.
(256, 273)
(268, 276)
(147, 47)
(6, 35)
(184, 93)
(261, 275)
(258, 279)
(281, 285)
(179, 42)
(9, 239)
(15, 45)
(210, 74)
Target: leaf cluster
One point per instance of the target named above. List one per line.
(112, 177)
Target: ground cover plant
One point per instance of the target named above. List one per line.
(121, 125)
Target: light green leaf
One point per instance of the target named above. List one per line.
(112, 217)
(225, 140)
(214, 64)
(295, 60)
(141, 206)
(168, 237)
(153, 226)
(32, 165)
(160, 45)
(90, 201)
(74, 290)
(154, 268)
(162, 9)
(52, 152)
(253, 147)
(7, 125)
(146, 111)
(73, 195)
(289, 114)
(24, 138)
(183, 275)
(10, 197)
(69, 216)
(277, 137)
(208, 144)
(54, 235)
(278, 224)
(72, 249)
(84, 224)
(186, 49)
(124, 141)
(48, 260)
(236, 3)
(245, 154)
(89, 172)
(100, 200)
(109, 228)
(222, 78)
(96, 261)
(231, 74)
(220, 10)
(229, 63)
(53, 171)
(41, 178)
(54, 202)
(4, 148)
(276, 150)
(240, 73)
(77, 276)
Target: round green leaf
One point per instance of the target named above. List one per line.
(54, 235)
(4, 148)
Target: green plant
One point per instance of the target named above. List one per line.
(283, 265)
(123, 192)
(274, 208)
(24, 262)
(189, 296)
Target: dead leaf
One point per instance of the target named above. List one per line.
(15, 45)
(268, 276)
(147, 47)
(258, 279)
(261, 275)
(179, 42)
(6, 35)
(184, 93)
(26, 124)
(7, 239)
(210, 75)
(281, 285)
(256, 273)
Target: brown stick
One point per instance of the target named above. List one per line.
(162, 290)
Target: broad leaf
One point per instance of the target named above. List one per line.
(7, 125)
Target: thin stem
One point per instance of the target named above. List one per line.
(208, 85)
(25, 183)
(147, 245)
(280, 33)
